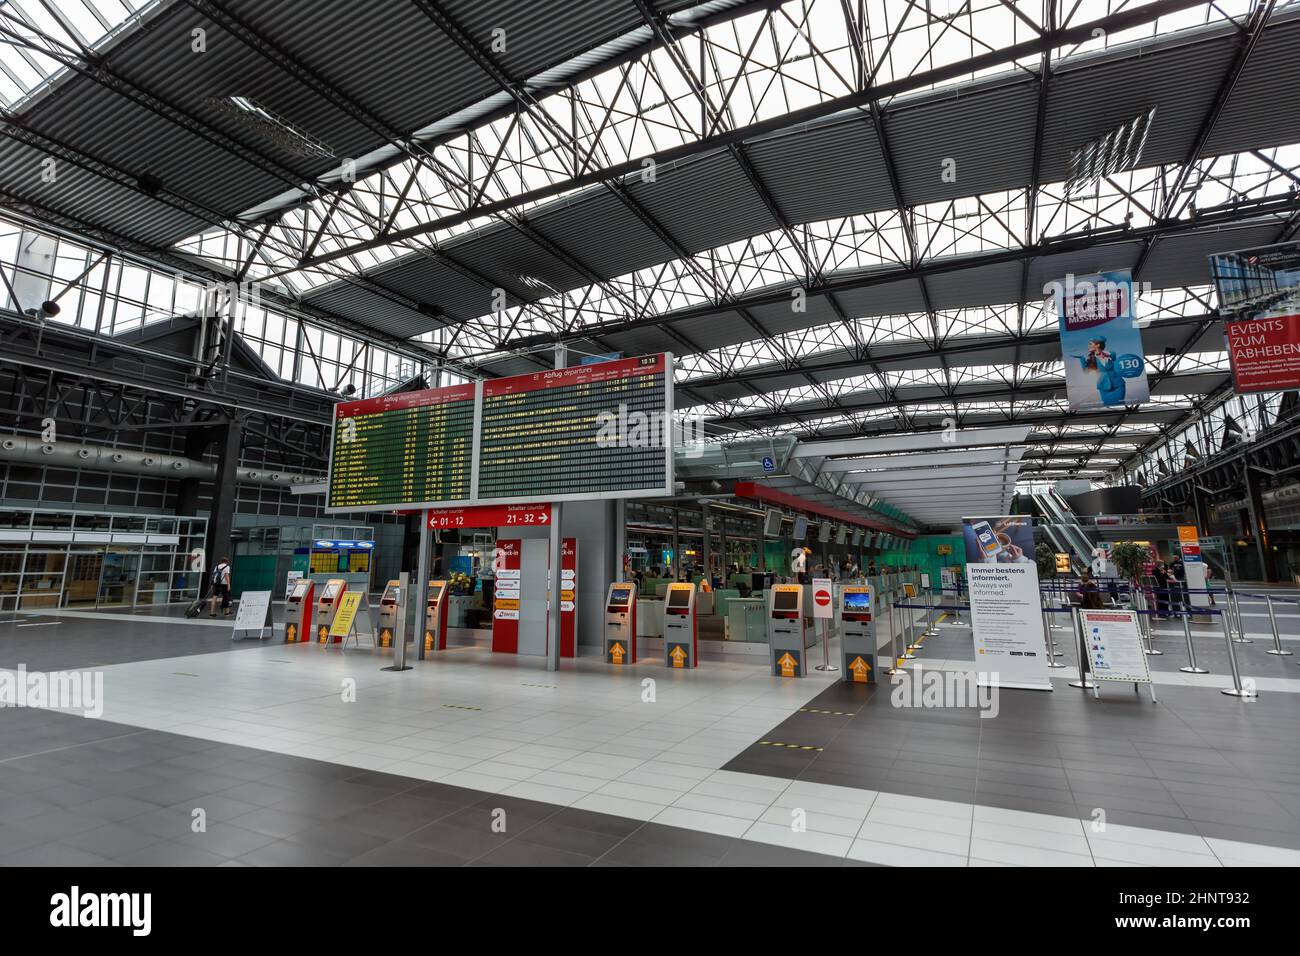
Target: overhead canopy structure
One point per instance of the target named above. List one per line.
(841, 218)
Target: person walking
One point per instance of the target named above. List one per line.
(220, 588)
(1161, 576)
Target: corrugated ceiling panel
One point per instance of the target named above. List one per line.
(1045, 269)
(1184, 260)
(986, 285)
(597, 229)
(1263, 109)
(1093, 98)
(439, 285)
(888, 298)
(391, 59)
(541, 33)
(783, 318)
(373, 310)
(989, 135)
(504, 254)
(704, 203)
(824, 171)
(712, 331)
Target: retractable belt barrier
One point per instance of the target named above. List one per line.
(1238, 689)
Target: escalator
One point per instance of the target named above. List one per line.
(1062, 528)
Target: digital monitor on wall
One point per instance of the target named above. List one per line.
(857, 539)
(824, 532)
(842, 534)
(800, 528)
(772, 524)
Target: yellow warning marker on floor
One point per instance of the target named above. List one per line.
(787, 664)
(773, 743)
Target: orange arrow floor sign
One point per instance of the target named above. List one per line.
(323, 633)
(385, 637)
(861, 670)
(616, 653)
(787, 664)
(428, 640)
(679, 657)
(291, 632)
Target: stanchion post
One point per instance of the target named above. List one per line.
(1272, 622)
(1239, 624)
(1052, 654)
(1236, 690)
(1191, 667)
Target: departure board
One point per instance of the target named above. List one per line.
(409, 448)
(592, 431)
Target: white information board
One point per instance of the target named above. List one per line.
(1114, 646)
(1007, 626)
(254, 612)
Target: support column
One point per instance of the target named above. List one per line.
(221, 517)
(620, 540)
(422, 569)
(1255, 508)
(706, 553)
(677, 547)
(556, 590)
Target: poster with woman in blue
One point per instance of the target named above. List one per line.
(1101, 343)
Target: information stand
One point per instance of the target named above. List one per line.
(680, 633)
(1113, 642)
(254, 614)
(344, 624)
(620, 623)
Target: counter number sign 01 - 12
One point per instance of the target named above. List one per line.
(590, 431)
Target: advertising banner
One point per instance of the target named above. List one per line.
(1259, 296)
(1006, 610)
(1101, 344)
(1264, 352)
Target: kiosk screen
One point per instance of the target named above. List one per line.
(857, 601)
(785, 601)
(679, 598)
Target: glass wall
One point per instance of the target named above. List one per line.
(53, 559)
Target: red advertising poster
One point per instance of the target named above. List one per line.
(489, 516)
(1265, 353)
(506, 565)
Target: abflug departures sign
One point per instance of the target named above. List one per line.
(591, 431)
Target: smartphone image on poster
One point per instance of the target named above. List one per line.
(988, 541)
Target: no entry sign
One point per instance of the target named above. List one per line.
(821, 598)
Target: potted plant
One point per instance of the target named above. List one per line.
(1129, 559)
(460, 582)
(1045, 558)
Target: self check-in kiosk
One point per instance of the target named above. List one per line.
(785, 630)
(327, 607)
(858, 634)
(297, 611)
(680, 632)
(389, 608)
(435, 617)
(620, 623)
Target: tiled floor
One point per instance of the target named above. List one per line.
(673, 768)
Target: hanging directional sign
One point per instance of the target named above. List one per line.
(489, 516)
